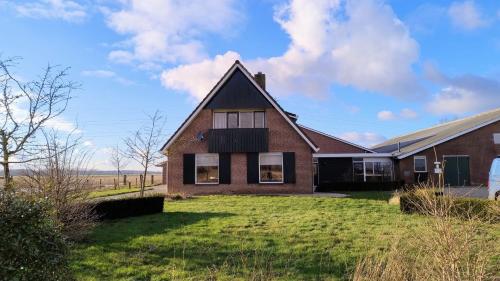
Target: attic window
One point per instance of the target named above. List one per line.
(242, 119)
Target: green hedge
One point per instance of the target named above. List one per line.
(482, 209)
(129, 207)
(31, 244)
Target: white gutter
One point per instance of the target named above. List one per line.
(351, 155)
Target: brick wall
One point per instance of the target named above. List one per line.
(282, 138)
(478, 145)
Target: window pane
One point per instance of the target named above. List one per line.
(420, 164)
(232, 120)
(207, 168)
(369, 168)
(271, 159)
(259, 119)
(358, 168)
(207, 174)
(220, 121)
(271, 173)
(271, 167)
(377, 168)
(246, 119)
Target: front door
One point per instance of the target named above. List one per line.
(456, 170)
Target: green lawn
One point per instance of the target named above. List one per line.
(110, 192)
(243, 237)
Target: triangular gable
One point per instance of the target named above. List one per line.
(236, 66)
(238, 92)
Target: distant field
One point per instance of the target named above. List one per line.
(96, 182)
(105, 181)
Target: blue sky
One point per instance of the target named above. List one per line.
(364, 70)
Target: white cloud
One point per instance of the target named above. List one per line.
(203, 75)
(408, 113)
(366, 139)
(99, 73)
(462, 94)
(88, 143)
(466, 15)
(386, 115)
(70, 11)
(405, 113)
(169, 31)
(331, 42)
(21, 116)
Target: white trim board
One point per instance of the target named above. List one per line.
(448, 138)
(335, 138)
(352, 155)
(204, 102)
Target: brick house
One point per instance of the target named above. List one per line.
(240, 140)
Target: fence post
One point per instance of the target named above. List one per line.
(129, 185)
(100, 183)
(136, 183)
(114, 182)
(140, 179)
(152, 179)
(124, 179)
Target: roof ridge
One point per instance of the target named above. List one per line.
(439, 125)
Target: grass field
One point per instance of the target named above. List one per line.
(245, 238)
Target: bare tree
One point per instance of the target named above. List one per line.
(25, 107)
(143, 146)
(60, 176)
(119, 161)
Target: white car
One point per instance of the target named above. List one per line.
(494, 180)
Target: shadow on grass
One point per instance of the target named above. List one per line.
(121, 230)
(370, 195)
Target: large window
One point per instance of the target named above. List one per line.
(243, 119)
(207, 168)
(271, 168)
(371, 169)
(420, 164)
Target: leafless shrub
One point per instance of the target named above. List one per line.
(144, 145)
(445, 247)
(60, 175)
(25, 107)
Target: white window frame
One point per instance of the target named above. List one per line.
(282, 168)
(425, 162)
(239, 118)
(196, 169)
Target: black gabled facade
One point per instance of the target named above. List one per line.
(238, 93)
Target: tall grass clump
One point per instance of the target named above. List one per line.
(450, 246)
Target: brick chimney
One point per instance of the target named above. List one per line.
(260, 78)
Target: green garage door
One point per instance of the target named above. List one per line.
(456, 170)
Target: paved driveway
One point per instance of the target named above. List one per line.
(472, 192)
